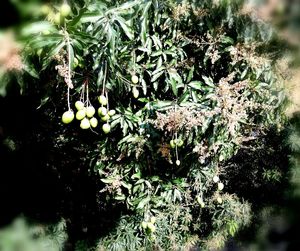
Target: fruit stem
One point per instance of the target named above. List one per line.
(69, 67)
(104, 78)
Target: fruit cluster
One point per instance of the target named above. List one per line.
(56, 17)
(85, 114)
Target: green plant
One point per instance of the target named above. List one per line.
(190, 85)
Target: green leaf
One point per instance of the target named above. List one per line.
(196, 85)
(143, 203)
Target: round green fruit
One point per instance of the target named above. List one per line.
(151, 227)
(80, 114)
(219, 200)
(57, 18)
(46, 32)
(105, 118)
(75, 62)
(152, 219)
(144, 225)
(220, 186)
(172, 143)
(79, 105)
(93, 122)
(90, 111)
(102, 111)
(178, 162)
(135, 92)
(106, 128)
(67, 117)
(216, 179)
(111, 112)
(102, 100)
(179, 142)
(85, 124)
(134, 79)
(65, 10)
(45, 9)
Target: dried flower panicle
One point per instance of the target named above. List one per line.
(10, 58)
(63, 69)
(181, 118)
(246, 52)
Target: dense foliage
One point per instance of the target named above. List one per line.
(192, 83)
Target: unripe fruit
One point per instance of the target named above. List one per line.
(219, 200)
(102, 111)
(151, 227)
(200, 201)
(105, 118)
(75, 62)
(102, 100)
(85, 124)
(135, 92)
(79, 105)
(80, 114)
(111, 112)
(90, 111)
(134, 79)
(46, 32)
(65, 10)
(93, 122)
(178, 162)
(106, 128)
(39, 52)
(152, 219)
(179, 142)
(144, 225)
(220, 186)
(57, 18)
(67, 117)
(172, 143)
(216, 179)
(45, 9)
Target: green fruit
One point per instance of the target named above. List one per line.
(90, 111)
(111, 112)
(200, 202)
(172, 143)
(39, 52)
(152, 219)
(216, 179)
(102, 100)
(106, 128)
(220, 186)
(80, 114)
(46, 32)
(67, 117)
(79, 105)
(65, 10)
(102, 111)
(144, 225)
(93, 122)
(85, 124)
(45, 9)
(219, 200)
(135, 92)
(151, 227)
(134, 79)
(178, 162)
(57, 18)
(75, 62)
(105, 118)
(179, 142)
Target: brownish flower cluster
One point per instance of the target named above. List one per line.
(10, 59)
(179, 118)
(247, 53)
(63, 69)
